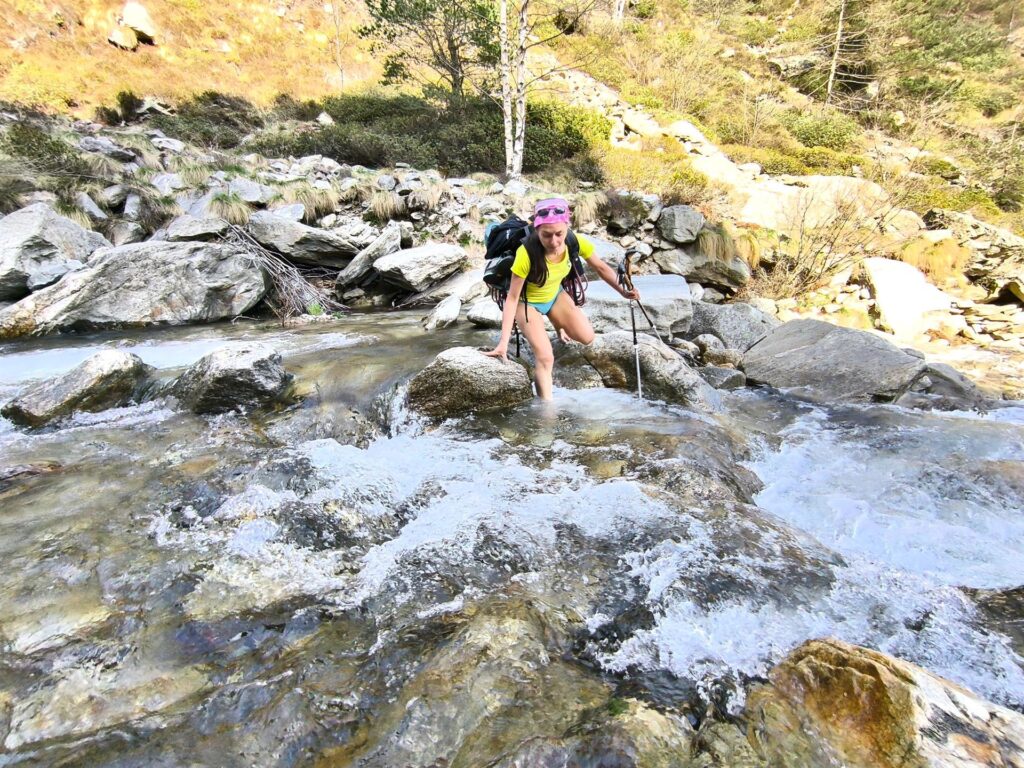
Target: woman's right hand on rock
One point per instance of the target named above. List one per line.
(499, 351)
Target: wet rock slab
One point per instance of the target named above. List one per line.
(829, 363)
(106, 380)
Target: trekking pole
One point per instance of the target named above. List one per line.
(625, 273)
(626, 281)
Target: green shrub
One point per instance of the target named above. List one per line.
(645, 9)
(926, 87)
(933, 165)
(771, 160)
(211, 119)
(827, 161)
(287, 107)
(373, 107)
(831, 130)
(404, 129)
(932, 192)
(41, 152)
(989, 100)
(756, 32)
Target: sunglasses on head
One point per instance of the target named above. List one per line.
(558, 211)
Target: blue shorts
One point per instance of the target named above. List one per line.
(545, 306)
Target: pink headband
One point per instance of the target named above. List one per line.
(554, 210)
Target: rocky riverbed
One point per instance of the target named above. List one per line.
(334, 579)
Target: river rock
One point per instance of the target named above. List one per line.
(680, 223)
(729, 275)
(907, 304)
(446, 313)
(463, 379)
(664, 373)
(253, 192)
(725, 358)
(232, 378)
(108, 379)
(188, 227)
(387, 242)
(634, 735)
(722, 378)
(38, 247)
(484, 314)
(831, 703)
(126, 232)
(104, 146)
(665, 297)
(298, 242)
(416, 269)
(738, 325)
(830, 363)
(468, 286)
(151, 283)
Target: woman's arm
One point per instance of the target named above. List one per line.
(508, 317)
(607, 274)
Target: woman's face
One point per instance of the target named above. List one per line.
(552, 237)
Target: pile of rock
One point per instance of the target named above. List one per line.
(997, 256)
(988, 323)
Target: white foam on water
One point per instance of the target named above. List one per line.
(900, 614)
(908, 500)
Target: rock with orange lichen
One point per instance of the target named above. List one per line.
(830, 703)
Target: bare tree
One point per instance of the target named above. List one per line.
(516, 41)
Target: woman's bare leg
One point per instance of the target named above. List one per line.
(536, 334)
(570, 320)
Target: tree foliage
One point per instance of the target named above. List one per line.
(456, 39)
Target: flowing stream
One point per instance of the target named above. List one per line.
(281, 589)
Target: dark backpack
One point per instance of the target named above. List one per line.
(503, 240)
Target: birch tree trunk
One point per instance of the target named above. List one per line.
(835, 53)
(619, 12)
(519, 139)
(508, 118)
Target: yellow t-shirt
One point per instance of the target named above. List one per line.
(557, 271)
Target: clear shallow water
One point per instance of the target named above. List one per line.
(192, 555)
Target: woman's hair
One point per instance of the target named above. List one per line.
(538, 274)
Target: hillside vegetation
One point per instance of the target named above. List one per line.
(779, 82)
(56, 56)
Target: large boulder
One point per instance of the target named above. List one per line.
(907, 304)
(298, 242)
(188, 227)
(233, 378)
(108, 379)
(416, 269)
(680, 223)
(38, 247)
(135, 16)
(446, 313)
(387, 242)
(831, 703)
(152, 283)
(830, 363)
(812, 202)
(484, 314)
(727, 274)
(738, 326)
(665, 297)
(663, 372)
(463, 379)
